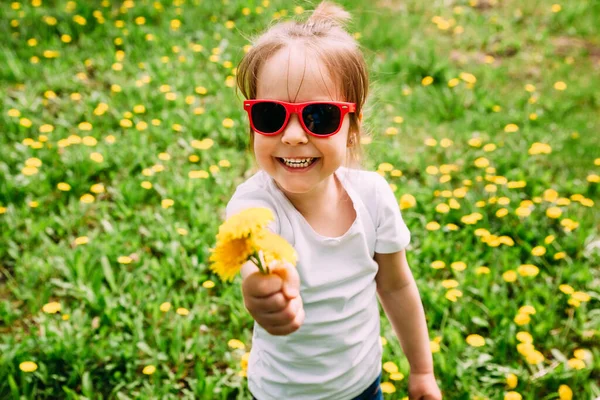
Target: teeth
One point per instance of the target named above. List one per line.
(298, 162)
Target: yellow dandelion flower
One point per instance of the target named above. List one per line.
(245, 223)
(453, 294)
(28, 366)
(407, 201)
(509, 276)
(390, 367)
(236, 344)
(124, 260)
(565, 392)
(428, 80)
(576, 363)
(397, 376)
(208, 284)
(275, 247)
(534, 357)
(388, 387)
(538, 251)
(149, 370)
(458, 266)
(522, 319)
(524, 337)
(510, 128)
(51, 308)
(228, 257)
(182, 311)
(527, 310)
(438, 264)
(475, 340)
(581, 296)
(164, 307)
(512, 381)
(560, 85)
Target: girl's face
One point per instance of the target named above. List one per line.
(294, 75)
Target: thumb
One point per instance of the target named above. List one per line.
(289, 276)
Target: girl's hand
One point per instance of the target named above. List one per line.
(274, 300)
(423, 387)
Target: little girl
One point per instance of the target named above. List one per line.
(317, 325)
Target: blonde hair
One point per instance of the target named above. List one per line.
(323, 33)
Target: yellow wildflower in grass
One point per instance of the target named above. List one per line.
(509, 276)
(538, 251)
(512, 381)
(576, 363)
(458, 266)
(566, 289)
(390, 367)
(149, 370)
(475, 340)
(438, 264)
(182, 311)
(513, 396)
(581, 296)
(51, 308)
(432, 226)
(527, 309)
(164, 307)
(236, 344)
(208, 284)
(511, 128)
(428, 80)
(449, 283)
(81, 240)
(522, 319)
(124, 260)
(407, 201)
(565, 392)
(560, 86)
(528, 270)
(560, 255)
(388, 387)
(535, 357)
(482, 270)
(524, 337)
(525, 348)
(396, 376)
(453, 294)
(28, 366)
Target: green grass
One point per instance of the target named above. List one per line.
(110, 325)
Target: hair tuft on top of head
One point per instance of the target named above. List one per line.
(328, 12)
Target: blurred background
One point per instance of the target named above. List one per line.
(123, 139)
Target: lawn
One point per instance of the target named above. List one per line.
(123, 139)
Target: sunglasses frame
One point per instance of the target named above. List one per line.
(296, 108)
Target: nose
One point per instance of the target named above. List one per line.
(293, 133)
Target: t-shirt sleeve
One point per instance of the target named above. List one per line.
(243, 199)
(392, 233)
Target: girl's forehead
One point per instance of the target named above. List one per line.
(296, 75)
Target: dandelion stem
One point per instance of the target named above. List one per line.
(258, 260)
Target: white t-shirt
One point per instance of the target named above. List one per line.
(336, 353)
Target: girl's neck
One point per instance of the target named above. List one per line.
(321, 198)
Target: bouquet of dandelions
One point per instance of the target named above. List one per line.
(243, 237)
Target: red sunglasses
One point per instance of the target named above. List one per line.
(318, 118)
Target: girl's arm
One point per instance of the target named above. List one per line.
(401, 302)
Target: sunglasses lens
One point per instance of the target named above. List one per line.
(321, 119)
(268, 117)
